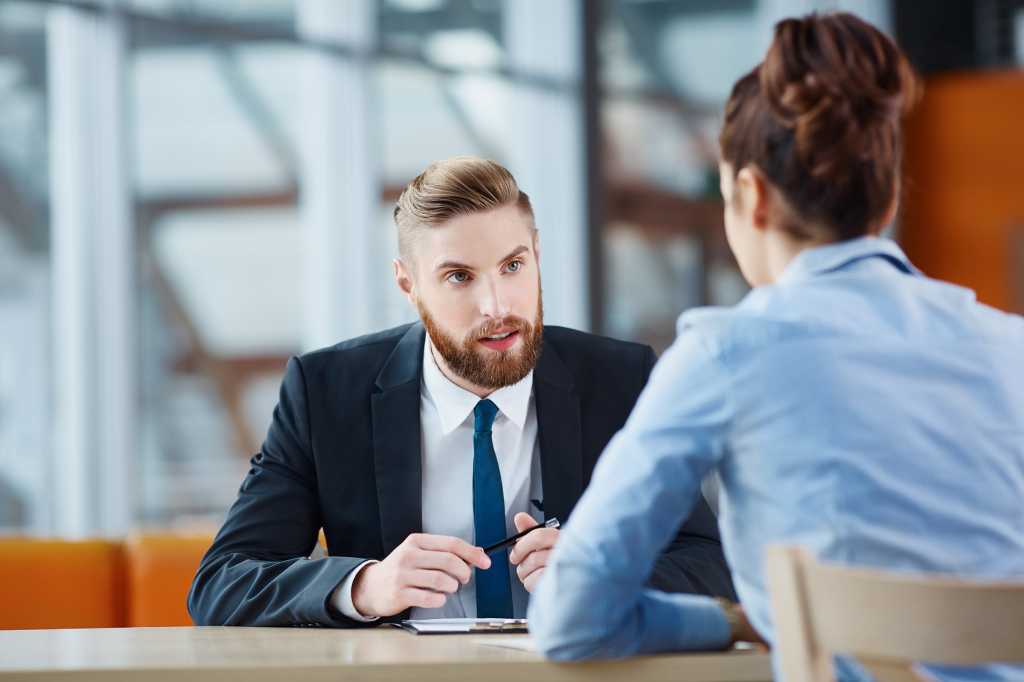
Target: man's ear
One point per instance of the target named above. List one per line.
(404, 280)
(754, 196)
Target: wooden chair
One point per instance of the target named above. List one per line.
(886, 620)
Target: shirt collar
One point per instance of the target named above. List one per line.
(455, 404)
(830, 257)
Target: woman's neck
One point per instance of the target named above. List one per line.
(782, 248)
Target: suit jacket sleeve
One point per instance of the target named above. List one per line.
(693, 562)
(256, 572)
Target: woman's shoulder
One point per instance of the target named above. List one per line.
(724, 330)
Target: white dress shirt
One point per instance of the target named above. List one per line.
(446, 421)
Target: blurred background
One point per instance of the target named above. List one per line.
(191, 191)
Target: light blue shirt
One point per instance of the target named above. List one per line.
(854, 407)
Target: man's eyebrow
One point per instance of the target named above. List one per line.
(456, 265)
(453, 265)
(515, 252)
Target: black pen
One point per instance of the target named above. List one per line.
(550, 523)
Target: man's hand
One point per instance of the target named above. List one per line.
(530, 554)
(422, 571)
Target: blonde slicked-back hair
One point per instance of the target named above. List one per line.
(454, 187)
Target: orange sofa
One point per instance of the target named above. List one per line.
(159, 572)
(142, 581)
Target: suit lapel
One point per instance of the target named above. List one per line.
(560, 434)
(396, 440)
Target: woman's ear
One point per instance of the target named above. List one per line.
(754, 196)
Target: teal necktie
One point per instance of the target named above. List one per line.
(493, 589)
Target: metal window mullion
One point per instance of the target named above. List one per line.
(93, 277)
(547, 152)
(339, 185)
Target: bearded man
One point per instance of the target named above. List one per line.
(415, 447)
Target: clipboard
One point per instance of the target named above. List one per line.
(464, 626)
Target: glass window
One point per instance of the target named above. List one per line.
(665, 69)
(25, 377)
(217, 146)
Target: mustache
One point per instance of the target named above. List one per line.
(492, 327)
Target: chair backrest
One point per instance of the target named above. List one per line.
(61, 584)
(160, 570)
(886, 620)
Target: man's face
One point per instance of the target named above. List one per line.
(476, 284)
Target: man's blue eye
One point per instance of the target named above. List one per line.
(458, 277)
(514, 266)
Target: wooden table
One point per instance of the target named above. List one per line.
(304, 654)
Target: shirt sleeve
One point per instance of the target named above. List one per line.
(592, 601)
(342, 598)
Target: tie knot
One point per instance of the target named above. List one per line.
(483, 416)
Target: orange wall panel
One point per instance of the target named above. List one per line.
(963, 198)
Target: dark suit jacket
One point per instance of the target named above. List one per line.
(343, 453)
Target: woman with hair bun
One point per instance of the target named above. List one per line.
(849, 404)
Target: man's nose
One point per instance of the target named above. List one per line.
(493, 302)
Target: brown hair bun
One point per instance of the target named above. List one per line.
(820, 116)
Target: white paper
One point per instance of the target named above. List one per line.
(457, 624)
